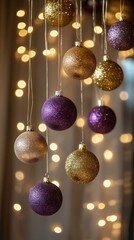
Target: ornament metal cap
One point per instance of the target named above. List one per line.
(29, 128)
(82, 146)
(46, 179)
(58, 93)
(121, 18)
(78, 44)
(100, 102)
(106, 58)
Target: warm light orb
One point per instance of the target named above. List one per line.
(90, 206)
(88, 44)
(101, 206)
(21, 25)
(98, 29)
(124, 95)
(97, 138)
(20, 13)
(19, 93)
(41, 16)
(55, 158)
(19, 175)
(117, 225)
(30, 29)
(118, 15)
(17, 207)
(57, 229)
(126, 138)
(112, 202)
(107, 183)
(108, 154)
(42, 127)
(21, 49)
(20, 126)
(22, 33)
(88, 81)
(52, 51)
(25, 58)
(53, 146)
(76, 25)
(46, 52)
(21, 84)
(111, 218)
(101, 223)
(80, 122)
(54, 33)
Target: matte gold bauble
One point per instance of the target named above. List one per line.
(59, 13)
(82, 166)
(108, 75)
(30, 147)
(79, 63)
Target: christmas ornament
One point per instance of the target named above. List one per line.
(108, 75)
(30, 146)
(121, 35)
(59, 13)
(79, 62)
(82, 166)
(101, 119)
(59, 112)
(45, 198)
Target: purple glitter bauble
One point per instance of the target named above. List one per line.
(59, 113)
(101, 119)
(121, 35)
(45, 198)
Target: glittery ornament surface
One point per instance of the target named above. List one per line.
(82, 166)
(108, 75)
(59, 113)
(45, 198)
(101, 119)
(79, 63)
(59, 14)
(30, 147)
(121, 35)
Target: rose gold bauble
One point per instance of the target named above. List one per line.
(108, 75)
(58, 14)
(30, 147)
(79, 62)
(82, 166)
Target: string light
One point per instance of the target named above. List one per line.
(20, 13)
(53, 146)
(42, 127)
(19, 175)
(21, 84)
(107, 183)
(19, 93)
(17, 207)
(20, 126)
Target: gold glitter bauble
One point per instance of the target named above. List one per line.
(58, 14)
(108, 75)
(30, 147)
(79, 63)
(82, 166)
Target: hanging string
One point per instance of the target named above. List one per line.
(60, 43)
(77, 21)
(80, 20)
(81, 82)
(30, 84)
(94, 20)
(104, 16)
(82, 110)
(47, 89)
(121, 9)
